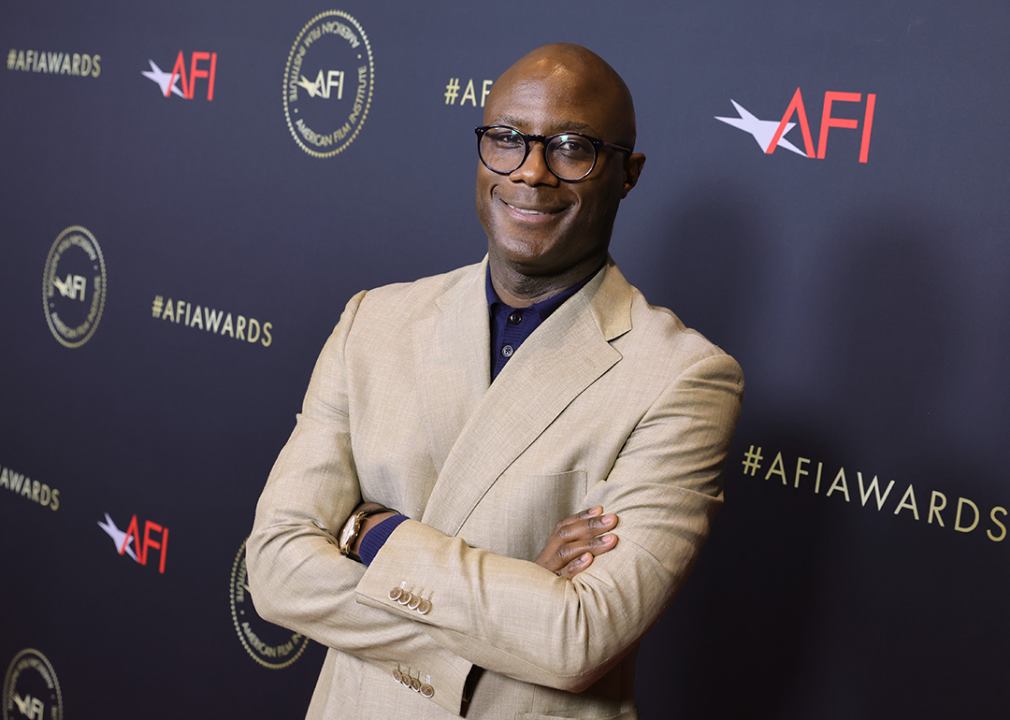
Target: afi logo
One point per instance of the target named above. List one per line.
(771, 135)
(138, 550)
(30, 707)
(73, 287)
(169, 82)
(321, 87)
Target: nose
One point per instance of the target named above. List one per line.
(534, 170)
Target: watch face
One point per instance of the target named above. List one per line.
(348, 532)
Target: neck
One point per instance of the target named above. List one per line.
(516, 289)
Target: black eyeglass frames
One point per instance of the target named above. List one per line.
(570, 156)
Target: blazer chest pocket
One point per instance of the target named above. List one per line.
(519, 512)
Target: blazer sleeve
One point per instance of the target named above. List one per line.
(516, 618)
(298, 577)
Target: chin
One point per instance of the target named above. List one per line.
(521, 252)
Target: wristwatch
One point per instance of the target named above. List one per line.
(349, 533)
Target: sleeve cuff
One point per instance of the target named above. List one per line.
(377, 536)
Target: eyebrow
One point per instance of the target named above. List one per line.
(560, 126)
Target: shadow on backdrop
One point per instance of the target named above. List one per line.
(807, 605)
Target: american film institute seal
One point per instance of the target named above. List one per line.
(270, 645)
(328, 82)
(73, 286)
(31, 689)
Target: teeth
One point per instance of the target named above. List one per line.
(526, 212)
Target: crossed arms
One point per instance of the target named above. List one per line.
(512, 616)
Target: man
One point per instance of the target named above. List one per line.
(432, 401)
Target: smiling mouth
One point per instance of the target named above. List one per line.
(527, 211)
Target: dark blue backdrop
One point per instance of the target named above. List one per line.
(865, 300)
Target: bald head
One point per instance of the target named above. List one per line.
(571, 74)
(544, 233)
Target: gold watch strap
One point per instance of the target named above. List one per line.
(358, 518)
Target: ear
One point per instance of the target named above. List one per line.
(632, 169)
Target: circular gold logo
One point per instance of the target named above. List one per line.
(270, 645)
(328, 83)
(31, 688)
(73, 286)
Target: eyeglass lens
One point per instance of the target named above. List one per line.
(570, 157)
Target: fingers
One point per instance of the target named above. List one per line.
(576, 566)
(584, 515)
(582, 560)
(576, 540)
(584, 526)
(568, 552)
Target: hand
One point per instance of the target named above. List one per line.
(576, 540)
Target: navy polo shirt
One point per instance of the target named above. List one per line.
(511, 326)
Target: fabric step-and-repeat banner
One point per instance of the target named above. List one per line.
(191, 191)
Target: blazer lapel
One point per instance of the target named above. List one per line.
(452, 362)
(563, 357)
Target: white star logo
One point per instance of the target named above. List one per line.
(24, 703)
(116, 534)
(314, 88)
(163, 79)
(762, 130)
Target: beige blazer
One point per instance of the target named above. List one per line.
(609, 402)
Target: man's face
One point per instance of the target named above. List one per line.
(537, 224)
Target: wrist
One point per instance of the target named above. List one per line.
(349, 539)
(378, 536)
(370, 522)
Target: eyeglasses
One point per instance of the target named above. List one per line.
(570, 156)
